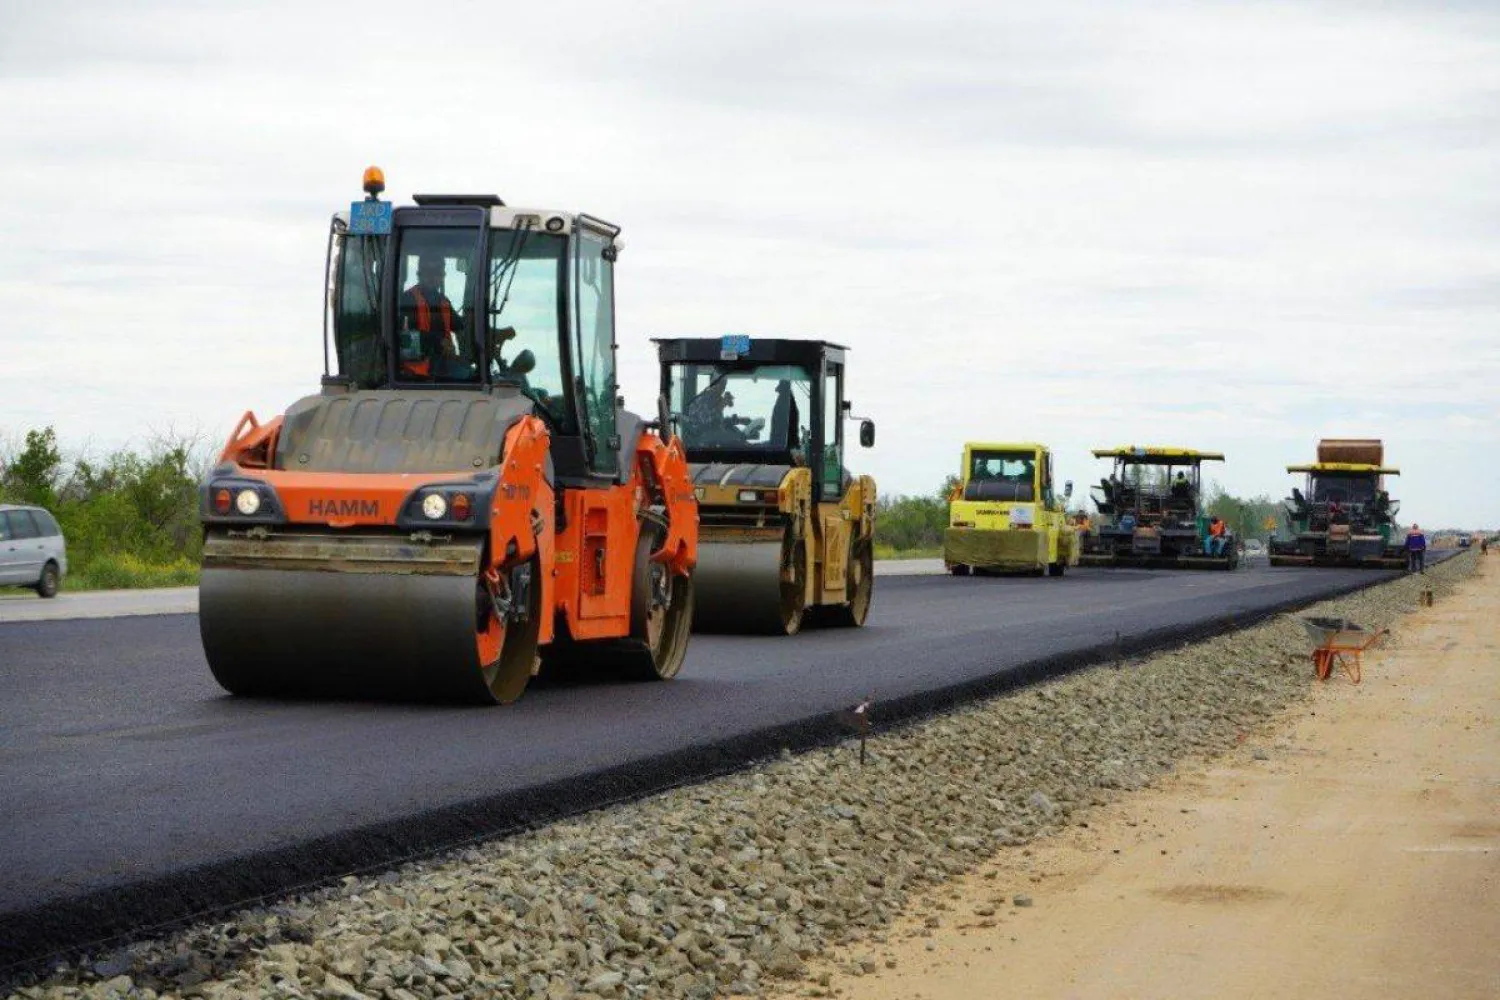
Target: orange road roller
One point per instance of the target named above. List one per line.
(466, 499)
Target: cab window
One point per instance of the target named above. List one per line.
(990, 466)
(354, 292)
(833, 452)
(435, 336)
(21, 525)
(46, 524)
(595, 300)
(524, 303)
(755, 407)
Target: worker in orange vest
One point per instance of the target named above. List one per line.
(1216, 530)
(426, 311)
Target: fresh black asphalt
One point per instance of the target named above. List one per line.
(136, 792)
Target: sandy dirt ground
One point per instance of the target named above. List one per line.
(1350, 850)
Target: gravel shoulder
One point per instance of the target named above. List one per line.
(1349, 848)
(740, 885)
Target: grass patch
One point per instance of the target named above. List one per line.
(121, 571)
(890, 552)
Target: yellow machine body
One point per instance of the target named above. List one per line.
(1005, 516)
(785, 531)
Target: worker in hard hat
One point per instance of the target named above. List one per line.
(1416, 550)
(428, 321)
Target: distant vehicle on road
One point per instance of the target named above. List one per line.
(1253, 547)
(32, 550)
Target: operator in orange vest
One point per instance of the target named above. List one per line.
(1216, 537)
(427, 311)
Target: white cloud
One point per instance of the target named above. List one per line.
(1223, 225)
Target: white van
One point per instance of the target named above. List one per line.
(32, 551)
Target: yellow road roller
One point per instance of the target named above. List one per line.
(1005, 517)
(786, 533)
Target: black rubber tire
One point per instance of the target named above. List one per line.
(656, 649)
(50, 580)
(793, 612)
(959, 569)
(519, 654)
(1057, 569)
(861, 588)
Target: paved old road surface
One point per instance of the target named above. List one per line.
(121, 760)
(23, 606)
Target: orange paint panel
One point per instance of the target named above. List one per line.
(609, 627)
(607, 550)
(252, 444)
(662, 467)
(521, 514)
(343, 500)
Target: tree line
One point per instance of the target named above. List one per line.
(130, 518)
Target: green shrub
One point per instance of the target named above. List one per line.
(130, 519)
(122, 571)
(912, 527)
(887, 552)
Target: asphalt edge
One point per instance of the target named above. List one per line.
(32, 940)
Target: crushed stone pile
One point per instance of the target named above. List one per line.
(719, 889)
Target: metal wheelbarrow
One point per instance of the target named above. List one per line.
(1338, 641)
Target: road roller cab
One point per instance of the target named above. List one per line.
(786, 532)
(466, 496)
(1005, 516)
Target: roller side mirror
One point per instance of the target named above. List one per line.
(867, 433)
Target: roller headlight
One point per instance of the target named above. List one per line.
(434, 507)
(247, 502)
(748, 496)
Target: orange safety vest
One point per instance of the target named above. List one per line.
(1216, 529)
(423, 366)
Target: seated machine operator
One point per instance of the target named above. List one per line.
(427, 312)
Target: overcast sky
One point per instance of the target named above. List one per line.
(1220, 225)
